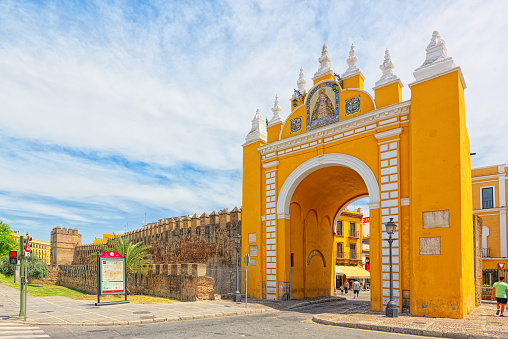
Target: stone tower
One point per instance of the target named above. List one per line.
(63, 244)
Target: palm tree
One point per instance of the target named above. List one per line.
(136, 255)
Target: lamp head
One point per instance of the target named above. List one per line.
(237, 238)
(390, 226)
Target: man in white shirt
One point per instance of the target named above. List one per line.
(356, 289)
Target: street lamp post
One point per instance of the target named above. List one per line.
(238, 296)
(391, 309)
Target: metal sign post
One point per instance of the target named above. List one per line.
(111, 276)
(291, 264)
(247, 262)
(22, 280)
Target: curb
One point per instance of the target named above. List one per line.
(155, 319)
(404, 330)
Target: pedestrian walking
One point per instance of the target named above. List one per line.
(500, 290)
(346, 286)
(356, 289)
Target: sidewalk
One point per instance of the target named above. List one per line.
(481, 323)
(65, 311)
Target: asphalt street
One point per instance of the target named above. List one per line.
(284, 324)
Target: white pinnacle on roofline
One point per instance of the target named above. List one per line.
(351, 62)
(386, 67)
(301, 84)
(324, 64)
(258, 130)
(277, 118)
(436, 60)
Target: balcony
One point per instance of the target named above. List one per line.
(354, 256)
(339, 233)
(486, 252)
(354, 234)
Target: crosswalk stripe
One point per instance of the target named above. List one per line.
(27, 331)
(12, 330)
(24, 336)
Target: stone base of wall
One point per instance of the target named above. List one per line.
(183, 282)
(49, 280)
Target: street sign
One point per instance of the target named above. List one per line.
(27, 244)
(247, 259)
(500, 265)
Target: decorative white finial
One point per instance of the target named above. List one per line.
(301, 81)
(277, 118)
(258, 130)
(324, 64)
(436, 60)
(351, 63)
(386, 67)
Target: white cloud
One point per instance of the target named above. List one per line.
(174, 85)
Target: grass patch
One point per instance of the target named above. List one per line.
(37, 290)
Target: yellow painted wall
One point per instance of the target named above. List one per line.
(251, 216)
(433, 174)
(388, 95)
(346, 240)
(441, 179)
(366, 105)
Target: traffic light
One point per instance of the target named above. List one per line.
(13, 257)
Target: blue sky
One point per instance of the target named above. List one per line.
(110, 110)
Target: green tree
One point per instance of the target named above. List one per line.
(7, 240)
(37, 269)
(137, 255)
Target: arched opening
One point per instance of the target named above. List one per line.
(315, 196)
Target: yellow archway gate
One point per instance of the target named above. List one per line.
(410, 158)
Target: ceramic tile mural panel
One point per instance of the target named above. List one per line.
(296, 124)
(322, 106)
(353, 105)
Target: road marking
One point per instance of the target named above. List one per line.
(11, 330)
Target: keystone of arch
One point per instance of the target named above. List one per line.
(322, 161)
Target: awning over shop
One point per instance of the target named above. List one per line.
(352, 271)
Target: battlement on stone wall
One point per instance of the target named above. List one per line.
(188, 222)
(65, 230)
(200, 239)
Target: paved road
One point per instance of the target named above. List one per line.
(285, 324)
(15, 330)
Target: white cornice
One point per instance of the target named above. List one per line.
(350, 75)
(440, 74)
(341, 126)
(487, 210)
(485, 177)
(389, 133)
(389, 83)
(271, 164)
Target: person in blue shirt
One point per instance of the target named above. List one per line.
(500, 289)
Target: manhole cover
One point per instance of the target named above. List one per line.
(141, 312)
(147, 317)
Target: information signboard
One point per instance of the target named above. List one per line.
(111, 273)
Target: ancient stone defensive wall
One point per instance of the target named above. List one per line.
(185, 282)
(206, 239)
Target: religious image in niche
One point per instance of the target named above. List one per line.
(323, 109)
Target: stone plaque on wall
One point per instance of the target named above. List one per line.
(436, 219)
(253, 250)
(252, 238)
(430, 246)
